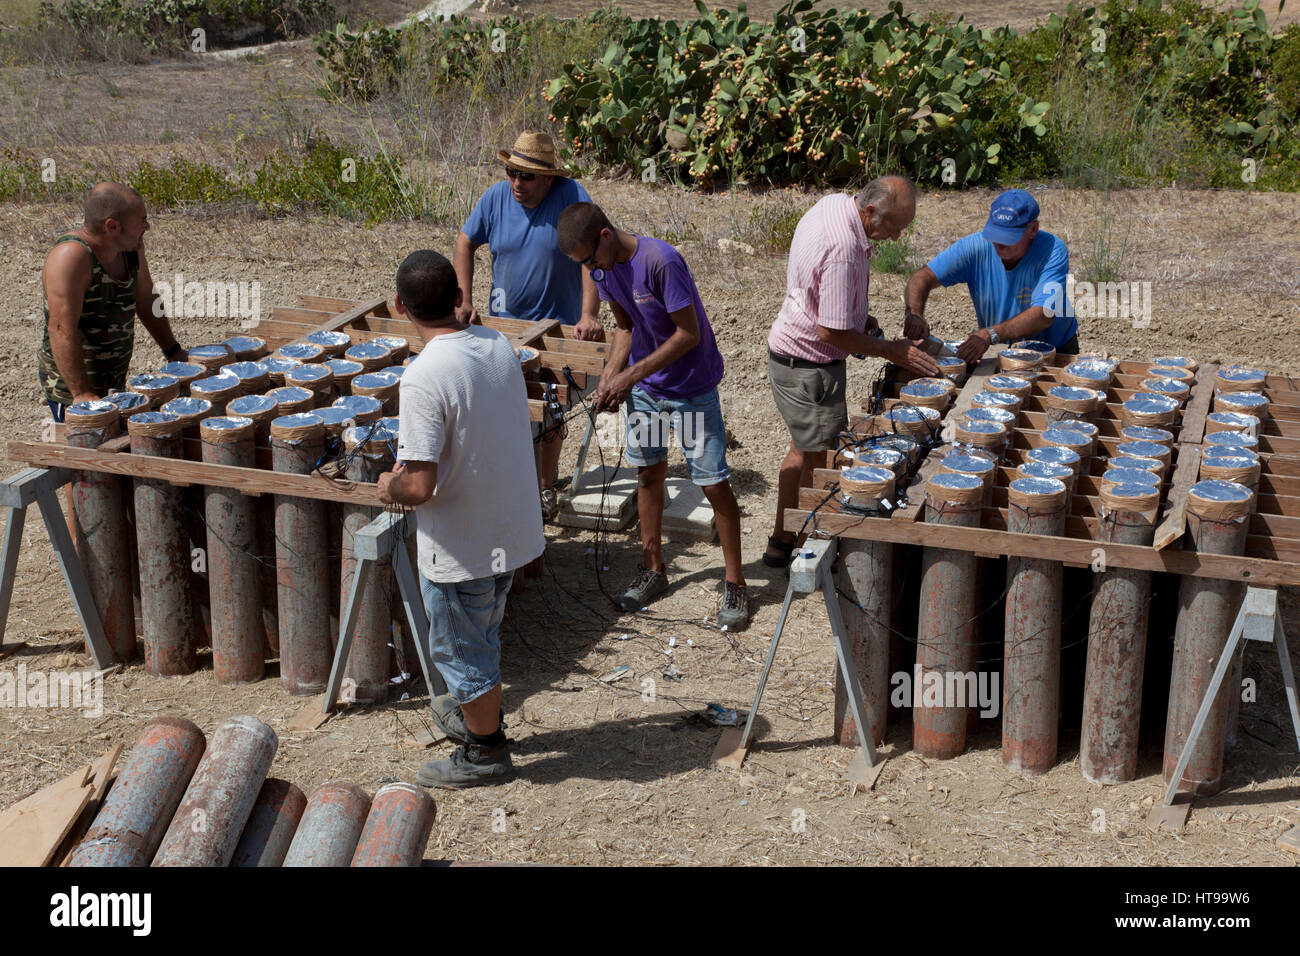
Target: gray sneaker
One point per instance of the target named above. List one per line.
(645, 588)
(550, 504)
(469, 766)
(449, 719)
(734, 614)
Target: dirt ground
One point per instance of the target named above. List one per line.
(605, 776)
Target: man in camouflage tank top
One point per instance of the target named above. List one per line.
(96, 283)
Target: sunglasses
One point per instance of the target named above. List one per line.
(591, 259)
(520, 175)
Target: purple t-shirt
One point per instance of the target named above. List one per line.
(652, 284)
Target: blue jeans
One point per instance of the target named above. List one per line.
(56, 410)
(465, 632)
(697, 423)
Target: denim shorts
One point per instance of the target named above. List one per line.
(465, 632)
(697, 423)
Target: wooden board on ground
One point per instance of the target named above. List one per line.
(1290, 841)
(1173, 817)
(102, 776)
(860, 775)
(425, 737)
(728, 753)
(311, 716)
(32, 830)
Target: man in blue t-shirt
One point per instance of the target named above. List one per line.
(531, 278)
(1016, 276)
(665, 364)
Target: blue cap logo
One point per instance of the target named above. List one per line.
(1009, 214)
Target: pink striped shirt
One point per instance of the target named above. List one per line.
(826, 280)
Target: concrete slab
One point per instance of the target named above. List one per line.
(686, 511)
(610, 508)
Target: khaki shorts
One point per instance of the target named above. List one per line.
(811, 400)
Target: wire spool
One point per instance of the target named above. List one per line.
(1088, 373)
(371, 355)
(927, 394)
(275, 367)
(1150, 410)
(1046, 469)
(1239, 468)
(1231, 422)
(260, 409)
(1153, 465)
(1038, 496)
(159, 389)
(302, 352)
(1129, 499)
(381, 385)
(184, 373)
(952, 368)
(318, 378)
(865, 486)
(1020, 360)
(128, 402)
(335, 419)
(1172, 371)
(955, 488)
(224, 429)
(364, 408)
(1244, 403)
(959, 464)
(1170, 387)
(913, 420)
(1219, 500)
(1016, 385)
(1070, 402)
(1145, 449)
(293, 399)
(211, 357)
(302, 425)
(990, 435)
(253, 378)
(991, 413)
(1129, 476)
(154, 425)
(189, 411)
(1232, 439)
(1176, 361)
(1240, 378)
(246, 348)
(530, 360)
(1070, 438)
(334, 343)
(997, 400)
(398, 347)
(218, 389)
(345, 370)
(1161, 436)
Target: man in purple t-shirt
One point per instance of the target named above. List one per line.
(666, 365)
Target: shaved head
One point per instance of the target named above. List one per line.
(107, 201)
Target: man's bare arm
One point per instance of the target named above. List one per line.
(66, 277)
(919, 287)
(463, 262)
(409, 483)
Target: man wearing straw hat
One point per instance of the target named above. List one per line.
(531, 278)
(1014, 273)
(96, 283)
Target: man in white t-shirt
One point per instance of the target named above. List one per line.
(465, 463)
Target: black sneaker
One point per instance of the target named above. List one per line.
(449, 719)
(734, 614)
(645, 588)
(469, 765)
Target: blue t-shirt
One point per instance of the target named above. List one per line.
(650, 286)
(1038, 279)
(531, 278)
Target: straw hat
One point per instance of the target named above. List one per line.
(534, 152)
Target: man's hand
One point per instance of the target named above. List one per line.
(385, 483)
(465, 312)
(915, 327)
(589, 330)
(613, 391)
(973, 349)
(182, 356)
(906, 354)
(84, 397)
(873, 324)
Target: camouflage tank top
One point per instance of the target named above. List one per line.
(107, 327)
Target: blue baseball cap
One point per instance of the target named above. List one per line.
(1009, 214)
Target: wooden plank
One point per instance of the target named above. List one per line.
(1175, 522)
(311, 716)
(350, 315)
(334, 306)
(529, 337)
(32, 829)
(1198, 406)
(101, 776)
(1259, 571)
(248, 480)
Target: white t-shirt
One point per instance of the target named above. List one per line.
(465, 406)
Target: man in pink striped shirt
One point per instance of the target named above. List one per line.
(823, 320)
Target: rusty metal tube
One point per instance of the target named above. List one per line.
(866, 574)
(271, 825)
(234, 573)
(1031, 682)
(135, 815)
(330, 826)
(1117, 650)
(397, 828)
(217, 804)
(163, 546)
(946, 625)
(302, 571)
(101, 529)
(371, 659)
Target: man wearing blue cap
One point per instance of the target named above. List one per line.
(1015, 274)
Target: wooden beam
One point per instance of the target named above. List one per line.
(350, 315)
(332, 305)
(1175, 522)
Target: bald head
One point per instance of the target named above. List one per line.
(887, 206)
(107, 201)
